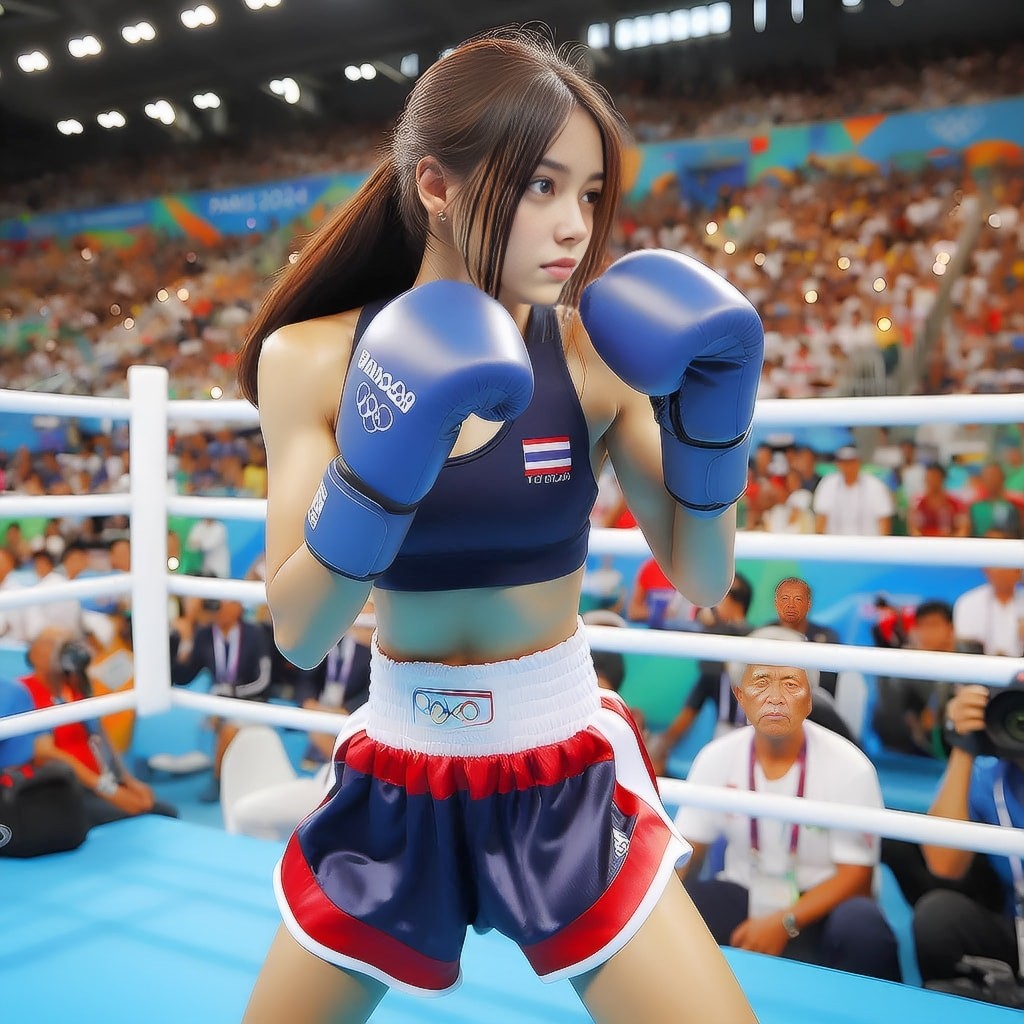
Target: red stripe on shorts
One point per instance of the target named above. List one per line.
(597, 926)
(443, 776)
(329, 925)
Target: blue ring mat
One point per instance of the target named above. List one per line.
(166, 921)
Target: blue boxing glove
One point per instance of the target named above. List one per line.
(429, 359)
(675, 330)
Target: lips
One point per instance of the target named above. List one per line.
(561, 264)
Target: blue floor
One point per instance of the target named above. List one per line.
(165, 922)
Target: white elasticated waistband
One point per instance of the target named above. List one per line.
(475, 710)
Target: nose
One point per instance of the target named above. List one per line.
(572, 225)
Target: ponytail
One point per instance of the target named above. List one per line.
(365, 251)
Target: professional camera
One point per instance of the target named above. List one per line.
(1003, 735)
(74, 657)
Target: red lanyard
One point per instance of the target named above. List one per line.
(795, 833)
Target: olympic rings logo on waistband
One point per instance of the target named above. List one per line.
(454, 709)
(376, 416)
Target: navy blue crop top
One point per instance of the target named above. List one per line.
(517, 510)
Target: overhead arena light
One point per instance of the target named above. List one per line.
(198, 17)
(70, 127)
(258, 5)
(287, 89)
(160, 110)
(356, 72)
(111, 119)
(34, 61)
(206, 100)
(86, 46)
(143, 32)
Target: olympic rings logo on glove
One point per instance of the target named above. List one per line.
(376, 416)
(6, 835)
(454, 709)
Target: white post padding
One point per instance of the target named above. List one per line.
(147, 391)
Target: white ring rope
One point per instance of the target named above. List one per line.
(920, 828)
(912, 410)
(884, 822)
(111, 585)
(65, 714)
(149, 412)
(937, 666)
(54, 506)
(813, 547)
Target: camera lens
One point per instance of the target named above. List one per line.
(1004, 721)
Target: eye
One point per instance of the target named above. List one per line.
(593, 197)
(541, 187)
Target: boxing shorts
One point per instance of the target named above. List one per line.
(515, 795)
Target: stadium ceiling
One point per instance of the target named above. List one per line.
(236, 57)
(318, 44)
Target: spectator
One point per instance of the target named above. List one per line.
(949, 925)
(209, 538)
(937, 513)
(67, 614)
(110, 792)
(793, 600)
(340, 685)
(237, 656)
(852, 502)
(728, 617)
(993, 614)
(656, 602)
(804, 893)
(909, 713)
(999, 509)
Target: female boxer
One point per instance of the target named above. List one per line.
(488, 781)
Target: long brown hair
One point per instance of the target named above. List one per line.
(487, 112)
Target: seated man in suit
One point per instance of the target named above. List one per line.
(340, 684)
(236, 654)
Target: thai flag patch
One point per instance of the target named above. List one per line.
(546, 455)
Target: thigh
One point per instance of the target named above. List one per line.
(299, 988)
(670, 972)
(723, 905)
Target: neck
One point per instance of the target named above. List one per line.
(778, 752)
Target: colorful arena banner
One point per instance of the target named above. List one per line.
(985, 134)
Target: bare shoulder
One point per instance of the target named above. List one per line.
(302, 366)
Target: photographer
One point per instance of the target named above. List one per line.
(983, 782)
(111, 793)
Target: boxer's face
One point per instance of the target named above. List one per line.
(555, 217)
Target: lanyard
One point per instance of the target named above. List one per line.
(225, 654)
(1016, 869)
(755, 844)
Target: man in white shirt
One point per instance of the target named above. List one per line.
(796, 891)
(210, 538)
(852, 502)
(993, 614)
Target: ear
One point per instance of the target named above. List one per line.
(432, 187)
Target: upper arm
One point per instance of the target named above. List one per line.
(633, 441)
(301, 372)
(622, 421)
